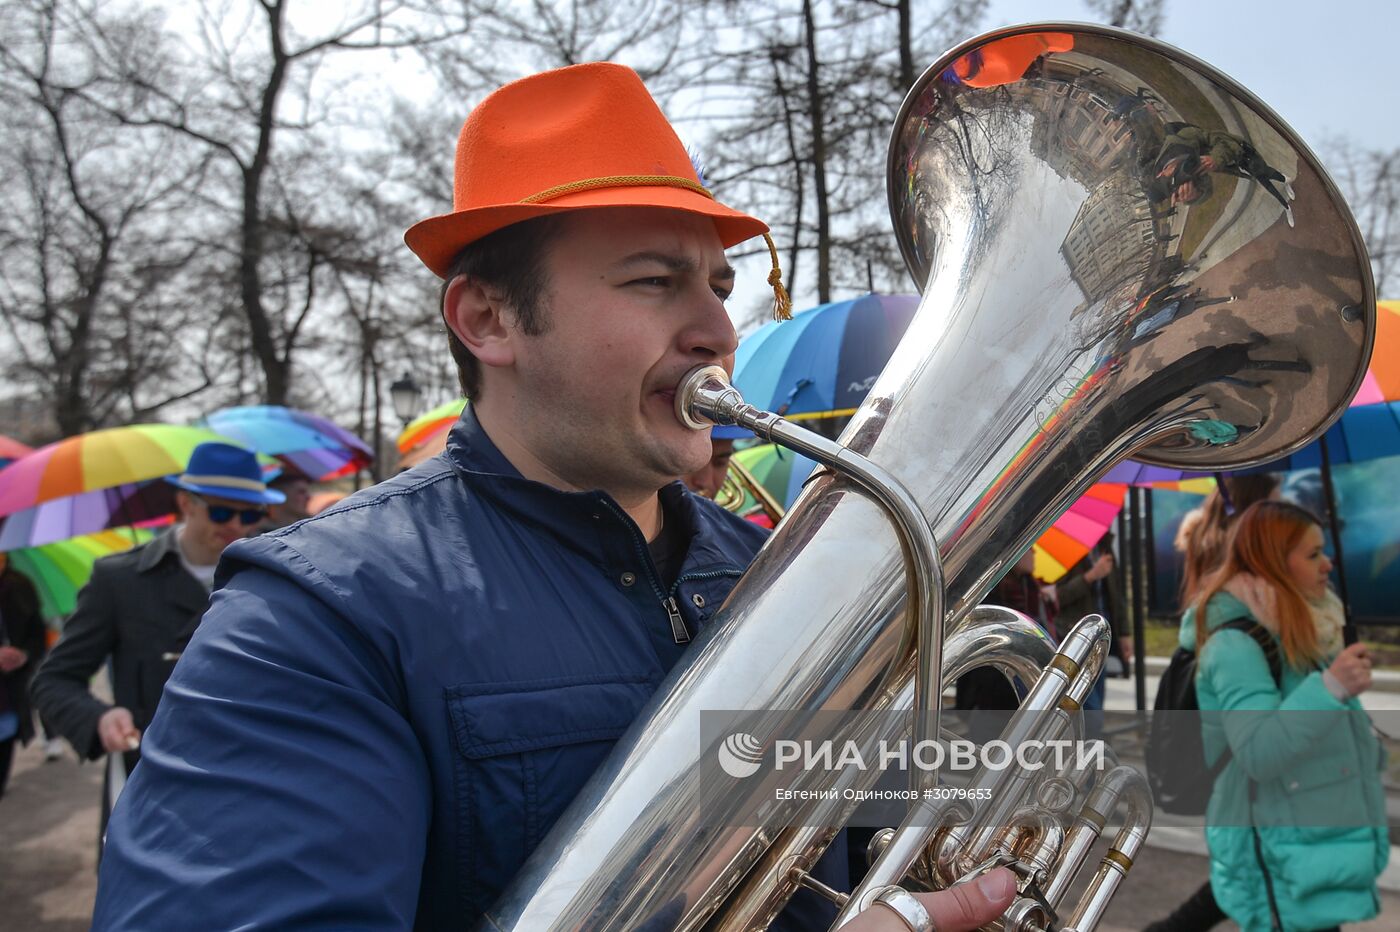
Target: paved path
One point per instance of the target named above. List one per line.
(48, 844)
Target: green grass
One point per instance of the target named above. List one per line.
(1161, 638)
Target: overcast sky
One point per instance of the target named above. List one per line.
(1328, 67)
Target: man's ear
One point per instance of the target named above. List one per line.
(184, 504)
(477, 316)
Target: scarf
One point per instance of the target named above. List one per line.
(1327, 613)
(1329, 618)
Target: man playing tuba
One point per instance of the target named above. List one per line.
(403, 693)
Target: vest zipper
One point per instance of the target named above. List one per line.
(678, 630)
(668, 602)
(693, 577)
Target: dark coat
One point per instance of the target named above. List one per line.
(389, 704)
(140, 608)
(23, 628)
(986, 688)
(1079, 598)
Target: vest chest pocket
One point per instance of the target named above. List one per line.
(524, 750)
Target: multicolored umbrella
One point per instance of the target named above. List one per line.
(60, 569)
(437, 420)
(778, 470)
(1382, 382)
(426, 435)
(100, 459)
(823, 362)
(1068, 540)
(114, 463)
(11, 450)
(142, 503)
(1076, 532)
(308, 443)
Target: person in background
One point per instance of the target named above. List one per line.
(296, 490)
(1204, 531)
(323, 500)
(1296, 822)
(988, 689)
(21, 650)
(709, 479)
(1091, 588)
(1201, 540)
(141, 607)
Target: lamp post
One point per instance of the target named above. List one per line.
(405, 394)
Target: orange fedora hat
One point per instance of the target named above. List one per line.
(582, 136)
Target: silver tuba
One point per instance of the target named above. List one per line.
(1121, 252)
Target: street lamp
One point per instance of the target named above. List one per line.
(405, 394)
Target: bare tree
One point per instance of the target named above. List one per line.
(232, 99)
(383, 318)
(509, 40)
(1370, 180)
(1144, 16)
(806, 148)
(94, 296)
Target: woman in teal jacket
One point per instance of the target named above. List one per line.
(1309, 779)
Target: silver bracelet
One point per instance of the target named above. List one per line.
(907, 907)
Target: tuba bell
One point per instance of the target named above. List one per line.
(1120, 252)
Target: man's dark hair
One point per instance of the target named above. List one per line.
(511, 260)
(287, 477)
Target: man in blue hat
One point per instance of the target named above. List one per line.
(141, 607)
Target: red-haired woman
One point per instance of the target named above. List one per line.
(1310, 779)
(1202, 540)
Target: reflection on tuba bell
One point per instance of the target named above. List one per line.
(1120, 252)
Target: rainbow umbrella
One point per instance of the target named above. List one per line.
(439, 419)
(305, 442)
(1076, 532)
(144, 504)
(778, 470)
(11, 450)
(782, 472)
(59, 570)
(1382, 382)
(93, 481)
(823, 362)
(426, 435)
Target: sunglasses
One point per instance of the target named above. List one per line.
(223, 514)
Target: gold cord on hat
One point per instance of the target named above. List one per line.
(782, 302)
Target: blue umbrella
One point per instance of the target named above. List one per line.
(1364, 432)
(308, 443)
(823, 361)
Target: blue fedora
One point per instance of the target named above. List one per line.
(222, 470)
